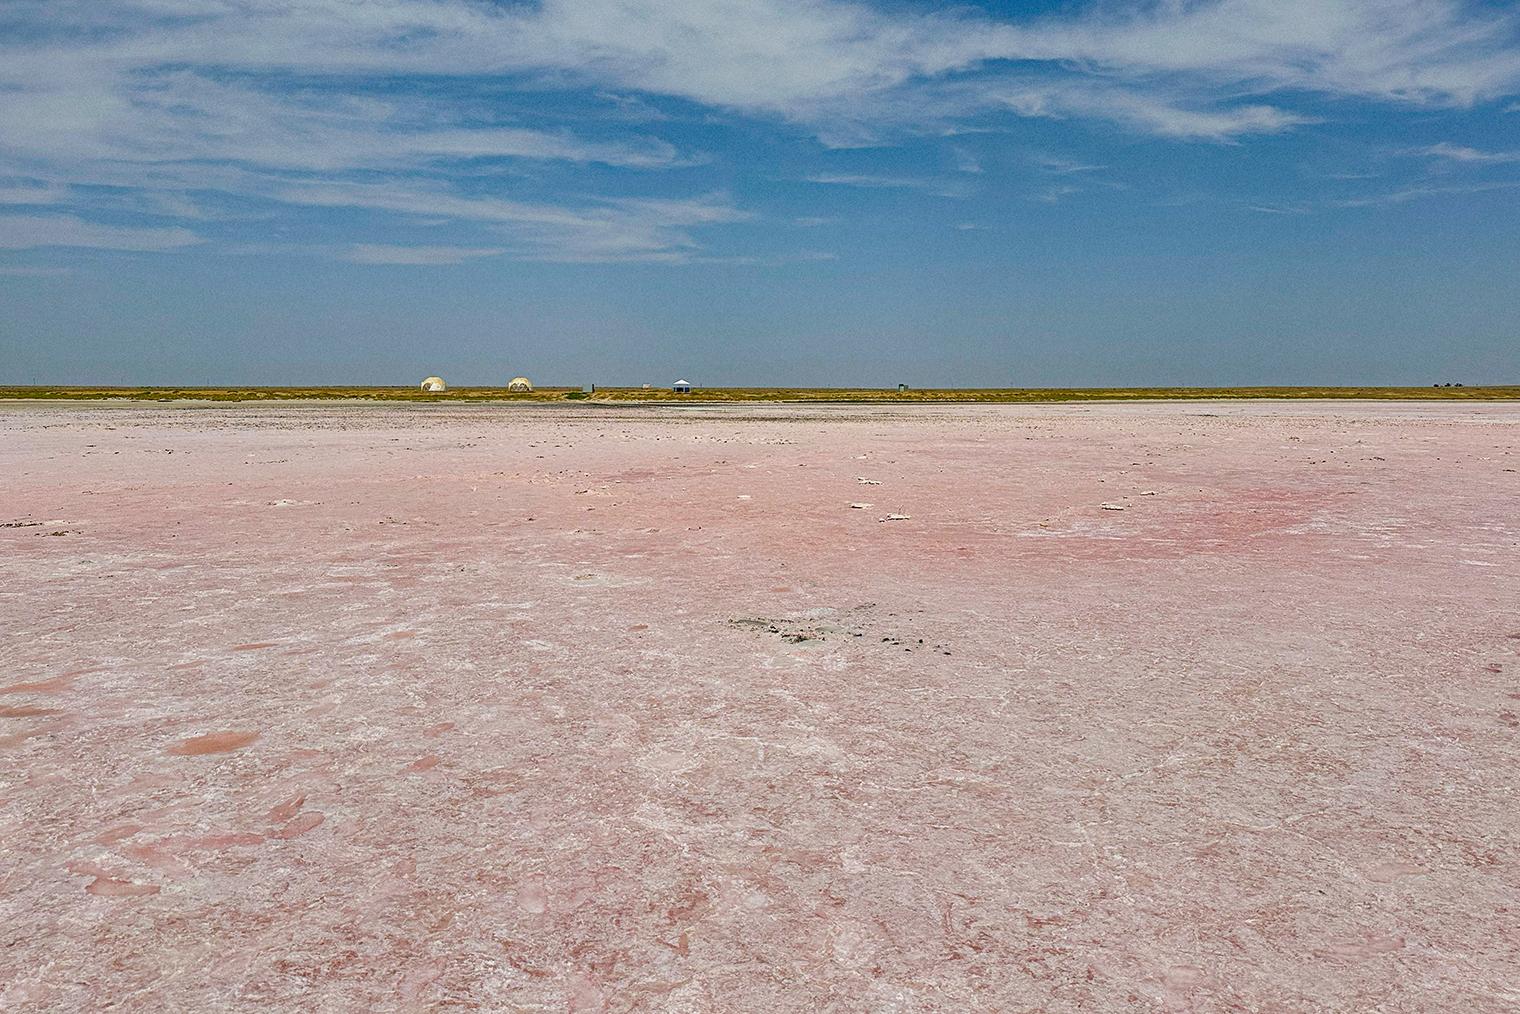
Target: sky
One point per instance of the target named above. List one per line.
(760, 192)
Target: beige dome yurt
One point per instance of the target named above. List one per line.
(520, 384)
(434, 384)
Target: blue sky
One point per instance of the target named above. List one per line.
(759, 191)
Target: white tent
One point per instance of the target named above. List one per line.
(434, 384)
(520, 384)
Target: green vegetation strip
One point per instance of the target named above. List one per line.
(759, 394)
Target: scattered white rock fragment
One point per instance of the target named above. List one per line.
(1148, 492)
(867, 482)
(743, 496)
(861, 506)
(1112, 506)
(897, 517)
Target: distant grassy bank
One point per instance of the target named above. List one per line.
(607, 395)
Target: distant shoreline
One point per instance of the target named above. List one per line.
(733, 395)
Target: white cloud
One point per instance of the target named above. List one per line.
(1420, 192)
(1442, 52)
(967, 162)
(820, 61)
(159, 117)
(251, 98)
(875, 182)
(610, 230)
(1152, 113)
(1058, 166)
(375, 253)
(1470, 156)
(1055, 194)
(35, 194)
(26, 232)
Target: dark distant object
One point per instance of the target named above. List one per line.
(901, 388)
(681, 387)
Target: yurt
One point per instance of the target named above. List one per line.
(434, 384)
(520, 384)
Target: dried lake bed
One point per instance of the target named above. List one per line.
(1169, 706)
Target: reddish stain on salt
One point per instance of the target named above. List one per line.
(400, 635)
(57, 683)
(280, 814)
(19, 739)
(188, 665)
(305, 822)
(438, 730)
(116, 834)
(217, 842)
(638, 627)
(682, 946)
(255, 646)
(427, 763)
(214, 742)
(110, 887)
(27, 712)
(158, 855)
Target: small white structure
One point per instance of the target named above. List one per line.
(434, 384)
(681, 387)
(520, 384)
(646, 387)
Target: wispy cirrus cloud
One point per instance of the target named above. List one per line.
(1404, 195)
(1469, 156)
(625, 229)
(263, 100)
(871, 181)
(379, 253)
(28, 232)
(32, 194)
(1058, 166)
